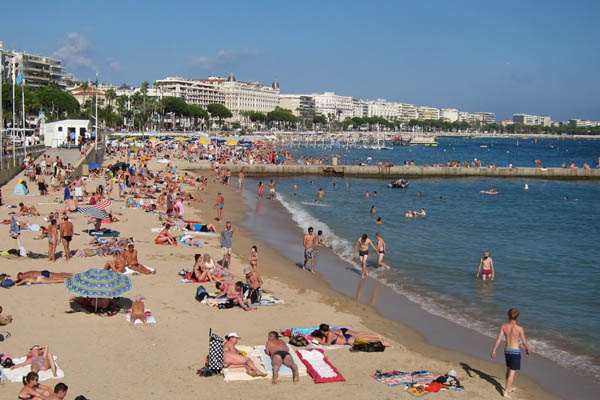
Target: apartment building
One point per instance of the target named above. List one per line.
(246, 96)
(527, 119)
(449, 114)
(299, 104)
(408, 111)
(38, 71)
(333, 106)
(193, 91)
(486, 117)
(583, 123)
(428, 113)
(383, 108)
(360, 108)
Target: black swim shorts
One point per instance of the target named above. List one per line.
(46, 273)
(513, 359)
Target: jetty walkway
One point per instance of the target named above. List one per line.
(356, 171)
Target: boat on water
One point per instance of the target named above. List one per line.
(398, 184)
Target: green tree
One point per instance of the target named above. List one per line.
(219, 111)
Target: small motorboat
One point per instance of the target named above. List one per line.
(398, 184)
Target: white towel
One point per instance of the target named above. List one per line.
(316, 359)
(149, 318)
(17, 374)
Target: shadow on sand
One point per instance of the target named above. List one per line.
(482, 375)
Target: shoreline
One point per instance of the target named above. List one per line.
(435, 332)
(288, 273)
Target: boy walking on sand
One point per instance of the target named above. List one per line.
(512, 333)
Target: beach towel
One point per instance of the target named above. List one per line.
(283, 371)
(308, 330)
(267, 300)
(103, 233)
(149, 317)
(188, 278)
(319, 367)
(17, 374)
(316, 346)
(395, 378)
(207, 234)
(182, 240)
(239, 373)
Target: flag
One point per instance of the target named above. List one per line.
(20, 78)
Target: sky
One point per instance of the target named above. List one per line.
(534, 57)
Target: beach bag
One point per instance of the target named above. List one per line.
(6, 361)
(201, 293)
(367, 347)
(298, 341)
(7, 283)
(215, 353)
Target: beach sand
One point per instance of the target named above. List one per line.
(105, 358)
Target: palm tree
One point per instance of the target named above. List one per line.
(110, 96)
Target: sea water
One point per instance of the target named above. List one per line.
(543, 241)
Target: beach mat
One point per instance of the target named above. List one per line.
(149, 318)
(17, 374)
(319, 367)
(239, 373)
(102, 233)
(267, 300)
(395, 378)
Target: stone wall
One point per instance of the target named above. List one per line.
(8, 170)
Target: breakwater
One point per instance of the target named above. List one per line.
(356, 171)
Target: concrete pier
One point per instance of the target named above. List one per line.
(408, 171)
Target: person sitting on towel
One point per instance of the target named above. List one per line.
(164, 237)
(118, 264)
(24, 210)
(200, 271)
(130, 256)
(45, 276)
(32, 389)
(138, 311)
(278, 350)
(40, 359)
(233, 358)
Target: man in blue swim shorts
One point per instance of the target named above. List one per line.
(514, 334)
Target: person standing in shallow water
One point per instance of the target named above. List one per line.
(486, 267)
(309, 241)
(361, 248)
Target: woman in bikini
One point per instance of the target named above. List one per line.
(32, 389)
(164, 237)
(40, 359)
(344, 336)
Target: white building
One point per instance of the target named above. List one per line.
(584, 123)
(246, 96)
(408, 111)
(487, 117)
(299, 104)
(333, 106)
(527, 119)
(194, 91)
(360, 108)
(428, 113)
(449, 114)
(60, 132)
(383, 108)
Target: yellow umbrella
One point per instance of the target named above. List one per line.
(179, 139)
(232, 142)
(153, 139)
(203, 140)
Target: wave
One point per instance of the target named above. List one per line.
(439, 305)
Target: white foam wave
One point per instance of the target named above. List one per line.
(439, 306)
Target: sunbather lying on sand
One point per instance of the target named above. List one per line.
(326, 336)
(24, 210)
(233, 358)
(40, 359)
(278, 350)
(44, 276)
(200, 227)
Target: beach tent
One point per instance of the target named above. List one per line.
(20, 190)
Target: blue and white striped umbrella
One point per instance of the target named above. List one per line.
(93, 212)
(98, 283)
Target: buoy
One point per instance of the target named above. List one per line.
(526, 187)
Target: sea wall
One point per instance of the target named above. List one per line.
(10, 166)
(409, 171)
(92, 155)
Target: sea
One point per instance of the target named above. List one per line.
(542, 236)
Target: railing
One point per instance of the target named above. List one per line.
(21, 151)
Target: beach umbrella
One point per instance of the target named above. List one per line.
(94, 165)
(179, 139)
(204, 140)
(103, 204)
(153, 139)
(93, 212)
(98, 284)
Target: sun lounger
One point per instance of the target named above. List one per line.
(17, 374)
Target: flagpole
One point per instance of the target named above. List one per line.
(13, 116)
(96, 93)
(23, 103)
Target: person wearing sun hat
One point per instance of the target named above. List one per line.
(233, 357)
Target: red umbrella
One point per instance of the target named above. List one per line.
(103, 204)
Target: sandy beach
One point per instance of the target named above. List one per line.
(105, 358)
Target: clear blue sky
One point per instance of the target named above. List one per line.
(536, 57)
